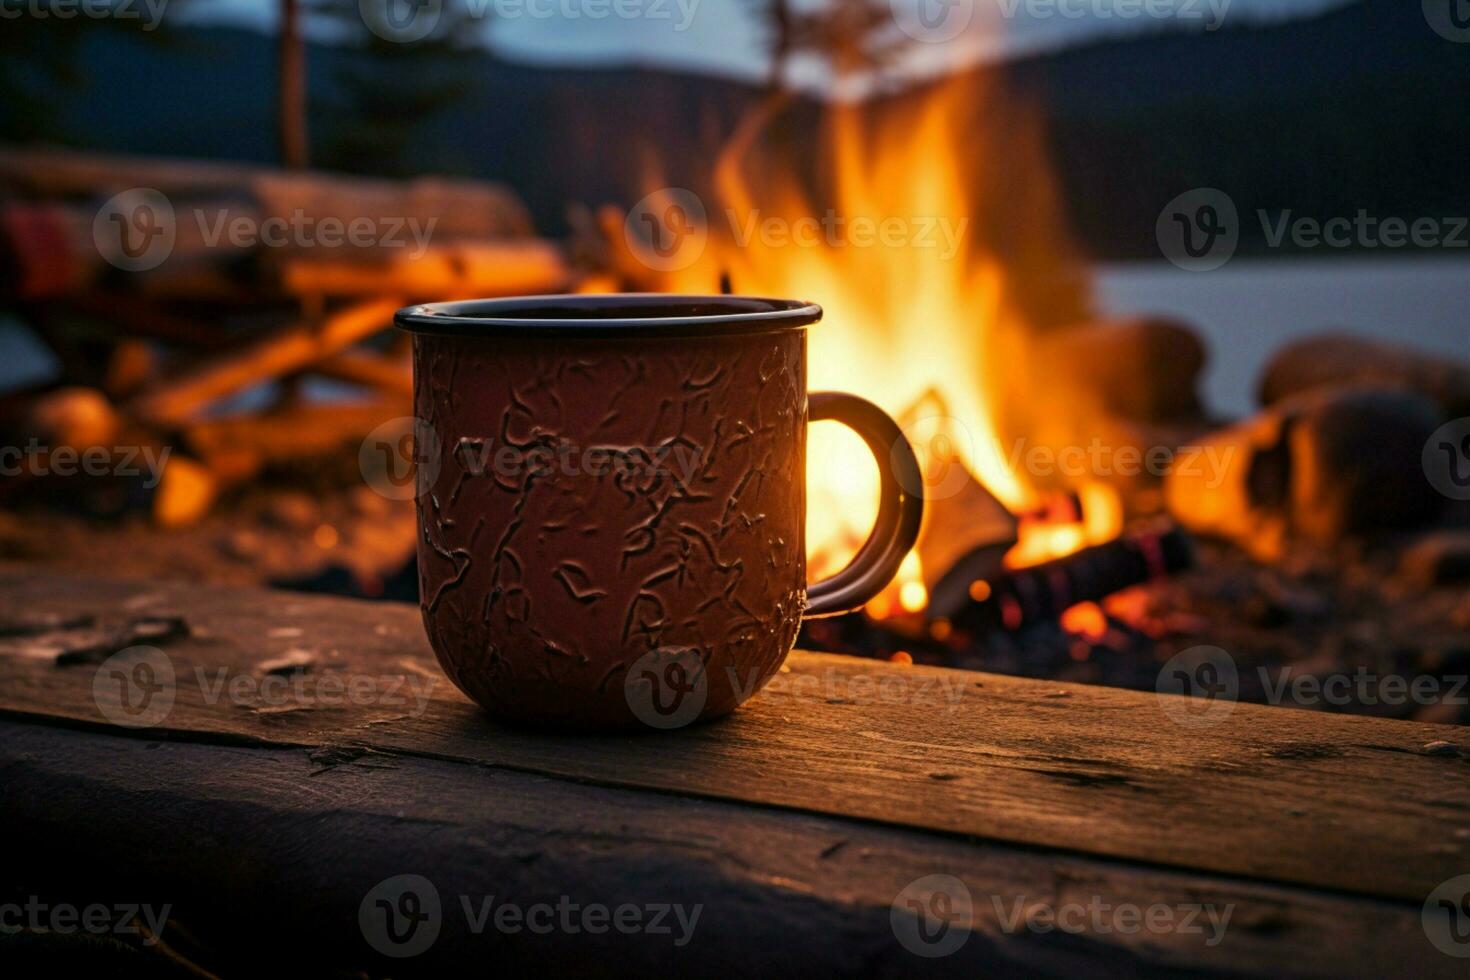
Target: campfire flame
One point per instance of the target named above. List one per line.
(930, 322)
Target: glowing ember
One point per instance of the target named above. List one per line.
(1086, 619)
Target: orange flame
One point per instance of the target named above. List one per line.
(967, 256)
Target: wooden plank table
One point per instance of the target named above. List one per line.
(298, 755)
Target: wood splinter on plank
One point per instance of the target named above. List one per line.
(292, 662)
(69, 640)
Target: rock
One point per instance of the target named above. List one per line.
(1323, 466)
(1441, 747)
(1233, 484)
(1141, 369)
(185, 494)
(1335, 359)
(1439, 558)
(1357, 462)
(77, 417)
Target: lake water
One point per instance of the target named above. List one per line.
(1248, 309)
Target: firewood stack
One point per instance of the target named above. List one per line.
(271, 278)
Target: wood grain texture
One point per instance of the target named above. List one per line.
(298, 838)
(1343, 804)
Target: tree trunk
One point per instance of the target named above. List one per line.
(291, 81)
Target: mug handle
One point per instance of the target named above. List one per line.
(900, 505)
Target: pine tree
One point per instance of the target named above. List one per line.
(41, 57)
(384, 88)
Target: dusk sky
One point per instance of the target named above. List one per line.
(722, 36)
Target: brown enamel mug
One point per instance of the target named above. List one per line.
(611, 501)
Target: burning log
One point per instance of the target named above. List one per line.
(185, 494)
(599, 241)
(1012, 599)
(962, 518)
(149, 352)
(1322, 465)
(456, 270)
(460, 208)
(48, 251)
(382, 373)
(1126, 397)
(48, 248)
(240, 445)
(176, 400)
